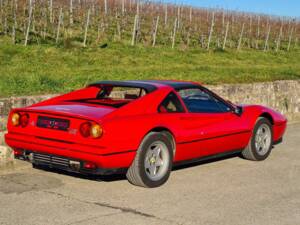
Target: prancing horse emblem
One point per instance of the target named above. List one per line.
(52, 123)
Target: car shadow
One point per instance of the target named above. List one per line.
(99, 178)
(119, 177)
(202, 161)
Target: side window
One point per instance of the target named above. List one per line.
(171, 104)
(199, 101)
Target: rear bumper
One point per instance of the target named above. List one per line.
(62, 163)
(80, 152)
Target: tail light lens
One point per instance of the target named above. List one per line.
(15, 119)
(91, 130)
(24, 120)
(85, 129)
(18, 119)
(96, 131)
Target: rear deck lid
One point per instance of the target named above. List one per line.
(61, 123)
(91, 112)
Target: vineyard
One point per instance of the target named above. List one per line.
(53, 46)
(82, 23)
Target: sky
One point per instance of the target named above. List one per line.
(290, 8)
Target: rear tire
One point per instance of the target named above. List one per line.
(260, 144)
(153, 161)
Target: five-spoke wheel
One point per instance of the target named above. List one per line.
(157, 160)
(153, 162)
(260, 144)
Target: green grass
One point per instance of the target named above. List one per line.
(47, 69)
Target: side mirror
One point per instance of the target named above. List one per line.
(238, 110)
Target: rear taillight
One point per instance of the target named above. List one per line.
(20, 119)
(24, 120)
(96, 131)
(15, 119)
(92, 130)
(85, 129)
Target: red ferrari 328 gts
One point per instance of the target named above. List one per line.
(141, 128)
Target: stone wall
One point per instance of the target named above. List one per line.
(283, 96)
(6, 104)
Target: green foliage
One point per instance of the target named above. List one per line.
(47, 69)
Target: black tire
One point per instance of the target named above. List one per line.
(251, 152)
(136, 174)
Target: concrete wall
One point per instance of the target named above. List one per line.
(284, 96)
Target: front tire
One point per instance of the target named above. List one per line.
(153, 162)
(260, 145)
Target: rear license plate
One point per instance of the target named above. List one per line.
(53, 123)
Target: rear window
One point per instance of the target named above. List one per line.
(125, 93)
(114, 96)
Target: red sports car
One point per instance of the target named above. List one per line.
(141, 128)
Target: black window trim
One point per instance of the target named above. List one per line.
(210, 93)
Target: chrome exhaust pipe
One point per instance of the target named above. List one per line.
(74, 165)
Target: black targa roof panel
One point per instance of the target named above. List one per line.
(148, 85)
(134, 84)
(175, 84)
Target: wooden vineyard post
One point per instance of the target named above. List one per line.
(174, 32)
(178, 17)
(155, 31)
(105, 7)
(241, 37)
(45, 23)
(15, 7)
(166, 15)
(123, 7)
(279, 39)
(226, 33)
(29, 23)
(134, 32)
(290, 39)
(211, 30)
(250, 33)
(119, 30)
(71, 12)
(267, 39)
(51, 10)
(13, 34)
(258, 32)
(60, 19)
(223, 22)
(86, 27)
(5, 25)
(138, 7)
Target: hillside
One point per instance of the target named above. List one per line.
(71, 23)
(43, 69)
(58, 45)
